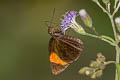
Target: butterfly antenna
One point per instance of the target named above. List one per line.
(49, 23)
(52, 17)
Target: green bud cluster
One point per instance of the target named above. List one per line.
(97, 74)
(95, 68)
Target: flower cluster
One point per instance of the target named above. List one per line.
(96, 67)
(69, 21)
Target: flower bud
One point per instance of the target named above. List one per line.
(105, 1)
(85, 18)
(97, 74)
(90, 71)
(94, 64)
(101, 66)
(99, 54)
(100, 58)
(93, 76)
(83, 70)
(117, 22)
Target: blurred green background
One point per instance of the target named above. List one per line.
(24, 39)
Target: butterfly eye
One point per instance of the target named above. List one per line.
(50, 32)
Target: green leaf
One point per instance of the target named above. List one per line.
(108, 38)
(118, 70)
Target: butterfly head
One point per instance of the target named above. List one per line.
(54, 32)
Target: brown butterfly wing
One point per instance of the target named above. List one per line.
(57, 68)
(57, 65)
(69, 48)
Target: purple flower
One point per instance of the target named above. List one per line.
(69, 22)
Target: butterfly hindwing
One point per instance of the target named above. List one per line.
(57, 68)
(56, 63)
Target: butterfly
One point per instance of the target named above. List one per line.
(63, 50)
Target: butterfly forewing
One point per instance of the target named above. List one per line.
(71, 50)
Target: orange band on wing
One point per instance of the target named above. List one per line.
(55, 59)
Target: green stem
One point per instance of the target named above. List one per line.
(104, 10)
(108, 7)
(116, 40)
(109, 62)
(115, 4)
(91, 35)
(113, 26)
(117, 60)
(116, 9)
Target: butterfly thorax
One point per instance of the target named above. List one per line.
(54, 32)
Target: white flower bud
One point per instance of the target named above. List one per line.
(85, 18)
(117, 22)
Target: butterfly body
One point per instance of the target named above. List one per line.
(63, 50)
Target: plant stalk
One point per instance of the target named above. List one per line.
(111, 16)
(116, 40)
(99, 37)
